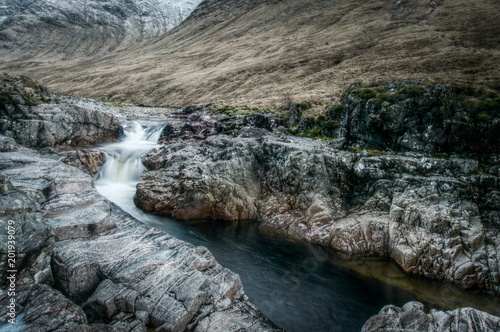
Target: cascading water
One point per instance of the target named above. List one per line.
(123, 168)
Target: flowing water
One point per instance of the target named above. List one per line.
(298, 286)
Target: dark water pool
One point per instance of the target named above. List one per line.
(302, 287)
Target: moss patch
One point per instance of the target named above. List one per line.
(315, 128)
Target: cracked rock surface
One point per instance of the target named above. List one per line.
(106, 267)
(434, 217)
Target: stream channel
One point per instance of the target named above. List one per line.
(300, 287)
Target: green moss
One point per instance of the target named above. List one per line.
(315, 128)
(411, 91)
(440, 156)
(366, 93)
(238, 110)
(5, 97)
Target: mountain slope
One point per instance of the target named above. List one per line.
(255, 52)
(71, 29)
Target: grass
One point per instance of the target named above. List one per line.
(315, 128)
(312, 50)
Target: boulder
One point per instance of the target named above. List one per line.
(89, 161)
(412, 317)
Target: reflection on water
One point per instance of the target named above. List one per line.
(300, 287)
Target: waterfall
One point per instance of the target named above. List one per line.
(123, 168)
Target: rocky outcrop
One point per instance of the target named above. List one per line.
(412, 317)
(435, 217)
(27, 240)
(108, 271)
(33, 118)
(44, 309)
(420, 117)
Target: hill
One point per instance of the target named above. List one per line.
(257, 52)
(62, 30)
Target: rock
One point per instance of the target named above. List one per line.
(436, 231)
(44, 309)
(36, 123)
(419, 117)
(411, 317)
(361, 234)
(195, 129)
(7, 144)
(127, 276)
(202, 191)
(435, 217)
(89, 161)
(27, 240)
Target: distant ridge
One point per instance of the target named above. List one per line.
(255, 52)
(44, 29)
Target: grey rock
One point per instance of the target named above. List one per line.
(27, 240)
(419, 117)
(89, 161)
(44, 308)
(435, 217)
(126, 275)
(361, 234)
(37, 123)
(412, 317)
(7, 144)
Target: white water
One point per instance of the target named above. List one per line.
(123, 168)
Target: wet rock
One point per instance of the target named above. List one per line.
(412, 317)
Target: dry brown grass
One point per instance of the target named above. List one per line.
(254, 52)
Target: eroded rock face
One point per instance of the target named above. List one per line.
(44, 309)
(420, 117)
(412, 317)
(89, 161)
(34, 119)
(435, 217)
(126, 276)
(27, 240)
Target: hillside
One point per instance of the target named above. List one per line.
(258, 52)
(63, 30)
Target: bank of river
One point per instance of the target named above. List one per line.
(298, 286)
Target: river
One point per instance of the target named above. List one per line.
(300, 287)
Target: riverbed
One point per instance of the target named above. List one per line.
(300, 287)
